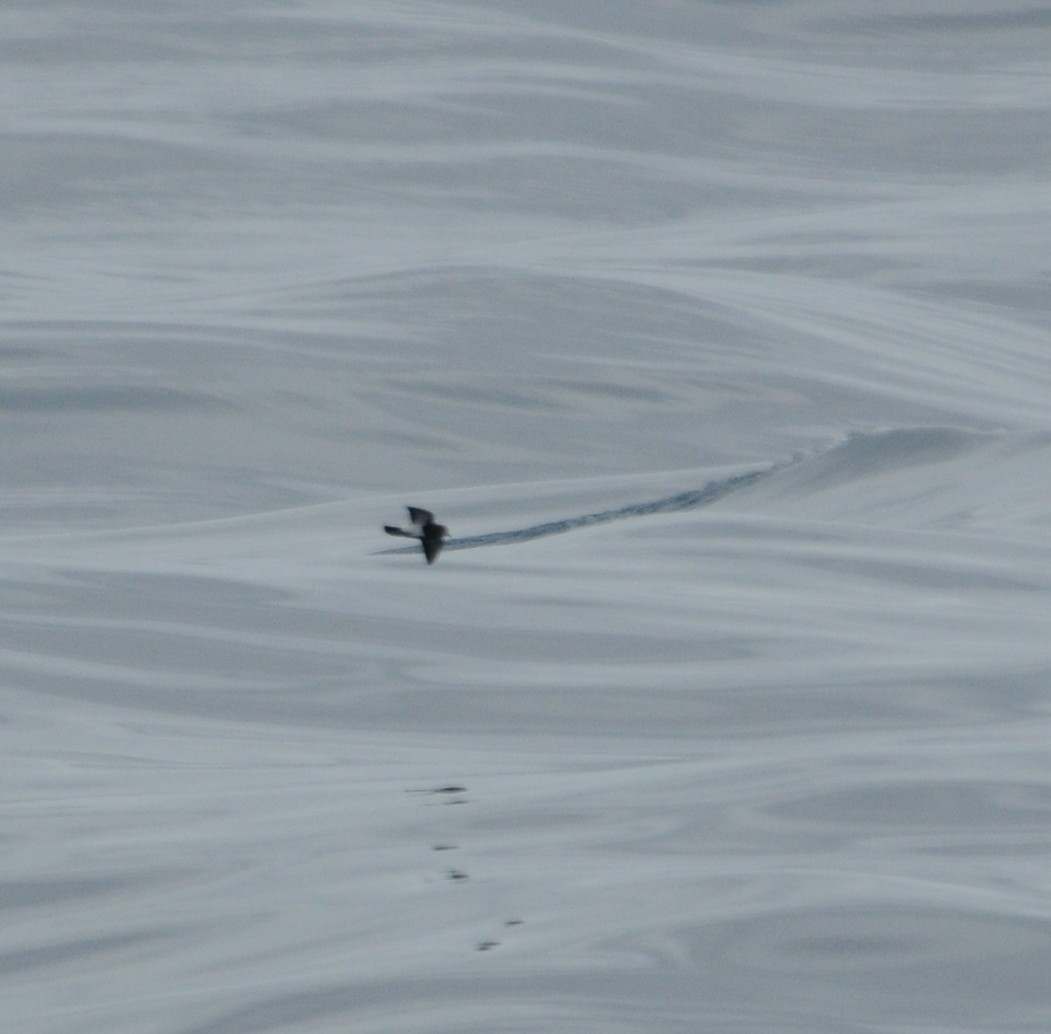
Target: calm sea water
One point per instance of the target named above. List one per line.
(717, 334)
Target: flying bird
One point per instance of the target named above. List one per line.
(424, 529)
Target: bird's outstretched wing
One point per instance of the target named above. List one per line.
(419, 517)
(432, 544)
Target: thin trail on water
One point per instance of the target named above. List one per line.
(691, 499)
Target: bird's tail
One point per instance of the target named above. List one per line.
(391, 530)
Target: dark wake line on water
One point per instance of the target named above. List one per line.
(709, 493)
(670, 504)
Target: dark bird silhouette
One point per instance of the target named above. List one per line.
(424, 529)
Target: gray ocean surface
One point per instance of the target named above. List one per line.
(718, 335)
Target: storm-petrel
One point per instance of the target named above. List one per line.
(424, 529)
